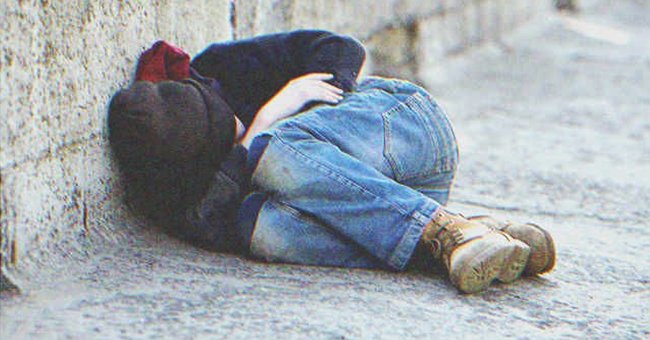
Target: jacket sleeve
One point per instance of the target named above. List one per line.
(326, 52)
(212, 221)
(278, 58)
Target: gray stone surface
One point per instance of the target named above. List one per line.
(553, 127)
(60, 61)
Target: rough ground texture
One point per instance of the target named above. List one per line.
(553, 127)
(61, 61)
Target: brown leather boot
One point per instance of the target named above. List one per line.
(540, 241)
(474, 254)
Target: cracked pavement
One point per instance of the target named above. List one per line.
(553, 126)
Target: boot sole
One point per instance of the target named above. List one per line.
(515, 264)
(550, 244)
(494, 256)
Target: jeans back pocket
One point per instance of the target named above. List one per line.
(419, 140)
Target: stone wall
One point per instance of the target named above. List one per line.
(60, 62)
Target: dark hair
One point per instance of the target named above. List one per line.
(168, 139)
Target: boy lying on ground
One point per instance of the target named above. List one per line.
(269, 146)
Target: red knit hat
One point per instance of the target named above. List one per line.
(163, 62)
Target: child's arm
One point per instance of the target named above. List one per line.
(251, 71)
(339, 55)
(289, 100)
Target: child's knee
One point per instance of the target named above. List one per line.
(280, 170)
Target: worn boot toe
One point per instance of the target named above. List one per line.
(540, 241)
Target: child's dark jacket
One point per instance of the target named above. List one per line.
(248, 73)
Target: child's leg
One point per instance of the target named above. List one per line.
(340, 166)
(283, 234)
(436, 183)
(286, 234)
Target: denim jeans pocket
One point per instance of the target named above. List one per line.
(419, 140)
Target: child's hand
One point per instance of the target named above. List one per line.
(290, 99)
(300, 91)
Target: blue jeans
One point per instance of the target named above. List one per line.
(353, 185)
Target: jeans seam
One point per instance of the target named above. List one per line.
(284, 207)
(439, 137)
(440, 184)
(319, 136)
(418, 103)
(414, 102)
(452, 159)
(279, 204)
(397, 174)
